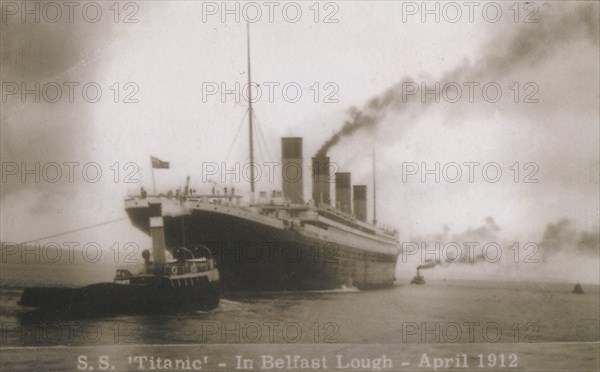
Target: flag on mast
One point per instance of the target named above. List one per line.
(159, 164)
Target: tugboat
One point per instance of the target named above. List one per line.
(161, 286)
(418, 279)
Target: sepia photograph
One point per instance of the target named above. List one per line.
(305, 185)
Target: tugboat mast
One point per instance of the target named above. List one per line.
(250, 114)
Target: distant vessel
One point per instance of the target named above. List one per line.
(578, 289)
(418, 279)
(161, 286)
(281, 241)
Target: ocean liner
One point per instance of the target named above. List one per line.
(281, 241)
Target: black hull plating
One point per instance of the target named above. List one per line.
(255, 256)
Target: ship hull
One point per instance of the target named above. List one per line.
(254, 256)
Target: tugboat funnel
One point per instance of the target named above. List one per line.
(158, 237)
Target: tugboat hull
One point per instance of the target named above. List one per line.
(113, 298)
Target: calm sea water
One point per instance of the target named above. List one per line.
(497, 325)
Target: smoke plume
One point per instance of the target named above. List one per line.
(488, 232)
(527, 46)
(565, 252)
(563, 237)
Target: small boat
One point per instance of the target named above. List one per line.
(578, 289)
(161, 286)
(418, 279)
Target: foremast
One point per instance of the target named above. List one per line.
(250, 114)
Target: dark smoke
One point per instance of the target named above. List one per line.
(562, 237)
(528, 46)
(358, 120)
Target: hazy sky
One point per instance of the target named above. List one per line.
(170, 52)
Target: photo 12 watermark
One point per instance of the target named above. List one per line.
(69, 11)
(270, 11)
(469, 92)
(69, 92)
(470, 171)
(470, 11)
(271, 92)
(70, 171)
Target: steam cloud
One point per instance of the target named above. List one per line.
(527, 46)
